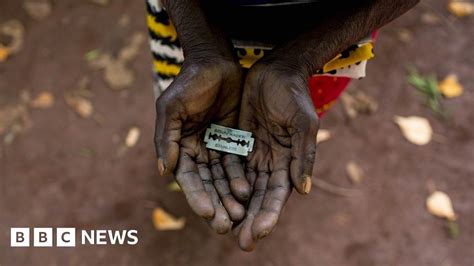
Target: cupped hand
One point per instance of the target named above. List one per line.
(204, 92)
(277, 108)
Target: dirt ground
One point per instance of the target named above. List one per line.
(64, 171)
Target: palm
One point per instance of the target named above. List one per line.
(280, 114)
(199, 96)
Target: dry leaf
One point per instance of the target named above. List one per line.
(15, 30)
(37, 9)
(404, 35)
(12, 114)
(13, 121)
(132, 137)
(415, 129)
(81, 106)
(24, 96)
(358, 103)
(174, 186)
(323, 135)
(450, 86)
(461, 8)
(439, 204)
(355, 173)
(165, 221)
(430, 18)
(4, 52)
(116, 73)
(130, 51)
(118, 76)
(44, 100)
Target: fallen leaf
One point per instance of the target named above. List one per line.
(415, 129)
(14, 119)
(4, 52)
(24, 96)
(461, 8)
(80, 105)
(15, 30)
(355, 173)
(130, 51)
(173, 186)
(358, 103)
(132, 137)
(164, 221)
(450, 86)
(118, 76)
(15, 130)
(323, 135)
(430, 18)
(37, 9)
(11, 114)
(116, 73)
(404, 35)
(439, 204)
(44, 100)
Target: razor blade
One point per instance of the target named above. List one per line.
(229, 140)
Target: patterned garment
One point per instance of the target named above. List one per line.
(325, 86)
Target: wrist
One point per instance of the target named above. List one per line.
(275, 76)
(291, 64)
(287, 73)
(208, 51)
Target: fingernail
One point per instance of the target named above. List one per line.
(307, 184)
(161, 166)
(262, 235)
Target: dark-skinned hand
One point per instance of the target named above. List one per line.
(204, 92)
(277, 108)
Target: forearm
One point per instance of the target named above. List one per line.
(199, 37)
(308, 53)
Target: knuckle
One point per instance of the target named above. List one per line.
(310, 156)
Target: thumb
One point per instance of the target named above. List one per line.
(168, 126)
(303, 151)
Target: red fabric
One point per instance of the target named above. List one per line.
(325, 90)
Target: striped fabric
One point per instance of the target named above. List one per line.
(325, 85)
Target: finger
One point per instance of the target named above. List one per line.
(234, 208)
(235, 172)
(246, 240)
(303, 151)
(220, 222)
(277, 192)
(191, 183)
(167, 132)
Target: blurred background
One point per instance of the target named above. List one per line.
(76, 147)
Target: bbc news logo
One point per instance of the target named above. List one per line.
(66, 237)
